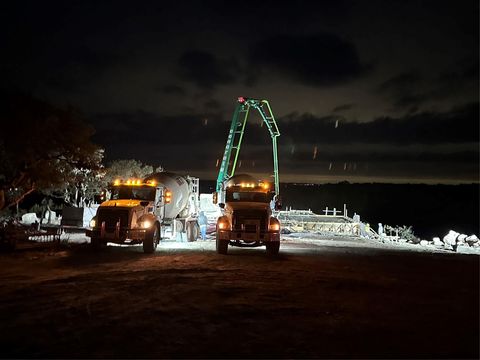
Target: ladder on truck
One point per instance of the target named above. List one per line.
(235, 137)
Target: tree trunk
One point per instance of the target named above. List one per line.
(49, 221)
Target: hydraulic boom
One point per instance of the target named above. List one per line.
(235, 137)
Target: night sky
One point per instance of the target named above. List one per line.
(363, 91)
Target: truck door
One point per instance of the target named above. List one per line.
(159, 205)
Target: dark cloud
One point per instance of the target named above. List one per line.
(212, 105)
(403, 90)
(386, 155)
(436, 140)
(171, 141)
(206, 70)
(268, 16)
(316, 60)
(409, 90)
(460, 125)
(344, 107)
(123, 128)
(172, 90)
(461, 79)
(401, 82)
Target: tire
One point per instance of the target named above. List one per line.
(222, 246)
(193, 231)
(273, 247)
(151, 241)
(178, 226)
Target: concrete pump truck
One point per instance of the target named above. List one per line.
(247, 218)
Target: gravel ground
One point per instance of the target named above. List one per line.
(321, 297)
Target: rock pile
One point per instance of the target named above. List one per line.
(454, 239)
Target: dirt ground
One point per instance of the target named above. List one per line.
(317, 299)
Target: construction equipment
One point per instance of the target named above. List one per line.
(139, 210)
(235, 137)
(246, 202)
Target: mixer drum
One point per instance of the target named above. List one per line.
(179, 187)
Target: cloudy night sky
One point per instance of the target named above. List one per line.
(363, 91)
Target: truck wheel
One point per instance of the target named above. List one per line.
(151, 240)
(193, 231)
(222, 246)
(273, 247)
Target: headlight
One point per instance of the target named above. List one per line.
(146, 224)
(274, 226)
(93, 222)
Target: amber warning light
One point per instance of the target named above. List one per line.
(168, 197)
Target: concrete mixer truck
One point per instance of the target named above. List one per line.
(139, 211)
(247, 216)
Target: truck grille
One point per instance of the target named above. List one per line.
(111, 216)
(243, 219)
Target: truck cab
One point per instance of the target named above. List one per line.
(247, 219)
(132, 215)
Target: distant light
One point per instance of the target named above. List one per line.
(241, 100)
(117, 182)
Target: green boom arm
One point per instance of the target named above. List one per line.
(235, 136)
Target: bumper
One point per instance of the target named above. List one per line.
(249, 237)
(118, 236)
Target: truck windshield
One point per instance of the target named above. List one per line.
(247, 196)
(133, 192)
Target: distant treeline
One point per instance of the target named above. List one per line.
(432, 210)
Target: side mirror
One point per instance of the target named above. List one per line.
(215, 197)
(222, 205)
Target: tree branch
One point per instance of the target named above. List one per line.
(19, 199)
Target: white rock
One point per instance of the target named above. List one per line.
(51, 214)
(471, 238)
(450, 238)
(29, 218)
(437, 241)
(461, 238)
(424, 242)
